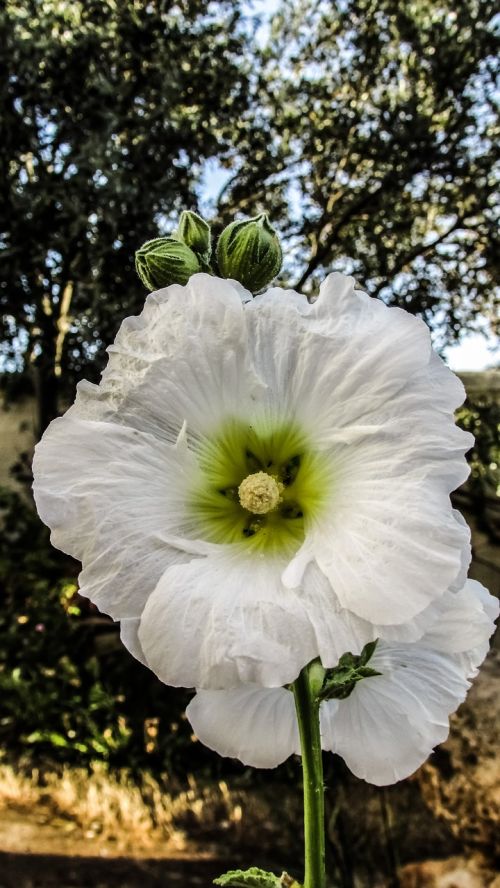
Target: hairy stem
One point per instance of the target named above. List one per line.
(306, 690)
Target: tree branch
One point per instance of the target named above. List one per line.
(419, 250)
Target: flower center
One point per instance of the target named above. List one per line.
(260, 484)
(260, 493)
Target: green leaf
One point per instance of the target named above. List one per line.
(251, 878)
(340, 681)
(367, 652)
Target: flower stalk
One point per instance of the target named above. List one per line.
(306, 691)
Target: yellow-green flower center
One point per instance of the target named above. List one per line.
(259, 486)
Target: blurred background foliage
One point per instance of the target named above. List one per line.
(366, 129)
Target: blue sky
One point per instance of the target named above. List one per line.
(475, 352)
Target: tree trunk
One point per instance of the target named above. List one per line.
(44, 367)
(46, 391)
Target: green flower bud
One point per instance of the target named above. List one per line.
(250, 252)
(195, 233)
(164, 261)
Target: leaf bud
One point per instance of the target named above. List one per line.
(164, 261)
(195, 233)
(250, 252)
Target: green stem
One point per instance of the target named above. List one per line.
(306, 690)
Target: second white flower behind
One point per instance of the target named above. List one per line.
(385, 725)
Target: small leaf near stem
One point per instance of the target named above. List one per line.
(251, 878)
(340, 681)
(255, 878)
(306, 690)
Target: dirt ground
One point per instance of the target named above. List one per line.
(38, 853)
(56, 854)
(59, 871)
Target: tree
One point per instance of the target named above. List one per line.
(373, 135)
(110, 108)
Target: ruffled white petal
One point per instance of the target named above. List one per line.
(388, 556)
(380, 747)
(253, 629)
(129, 630)
(184, 358)
(429, 685)
(390, 723)
(364, 379)
(255, 725)
(465, 621)
(337, 363)
(384, 730)
(336, 630)
(114, 498)
(226, 620)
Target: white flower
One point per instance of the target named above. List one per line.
(388, 724)
(345, 409)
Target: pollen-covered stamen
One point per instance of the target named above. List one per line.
(260, 493)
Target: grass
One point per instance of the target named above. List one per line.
(114, 806)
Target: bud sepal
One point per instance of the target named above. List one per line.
(195, 233)
(164, 261)
(249, 252)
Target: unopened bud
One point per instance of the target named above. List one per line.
(195, 233)
(164, 261)
(250, 252)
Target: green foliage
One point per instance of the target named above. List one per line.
(50, 684)
(372, 142)
(32, 684)
(251, 878)
(340, 681)
(480, 415)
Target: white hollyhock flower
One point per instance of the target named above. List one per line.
(245, 468)
(388, 724)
